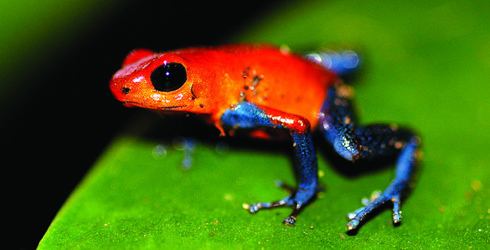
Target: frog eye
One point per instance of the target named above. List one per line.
(168, 77)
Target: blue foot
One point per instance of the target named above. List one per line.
(377, 200)
(340, 62)
(297, 200)
(187, 145)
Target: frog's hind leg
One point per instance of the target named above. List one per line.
(343, 63)
(355, 142)
(249, 116)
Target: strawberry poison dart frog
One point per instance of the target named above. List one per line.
(264, 88)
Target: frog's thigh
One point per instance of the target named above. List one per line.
(355, 142)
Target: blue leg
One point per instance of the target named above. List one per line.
(188, 145)
(354, 142)
(340, 62)
(249, 116)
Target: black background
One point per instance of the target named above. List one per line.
(63, 116)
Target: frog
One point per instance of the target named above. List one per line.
(265, 90)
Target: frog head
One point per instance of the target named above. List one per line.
(162, 81)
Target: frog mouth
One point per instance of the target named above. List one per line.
(129, 103)
(172, 107)
(165, 108)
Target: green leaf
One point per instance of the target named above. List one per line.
(426, 66)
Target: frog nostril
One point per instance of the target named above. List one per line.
(125, 90)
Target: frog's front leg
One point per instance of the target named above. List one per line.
(355, 142)
(246, 115)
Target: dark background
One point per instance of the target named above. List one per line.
(60, 115)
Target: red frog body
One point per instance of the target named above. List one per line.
(265, 88)
(219, 78)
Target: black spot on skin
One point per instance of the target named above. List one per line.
(194, 96)
(245, 72)
(256, 80)
(125, 90)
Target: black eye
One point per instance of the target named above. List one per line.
(168, 77)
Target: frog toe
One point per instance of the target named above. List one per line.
(397, 213)
(377, 200)
(255, 207)
(289, 221)
(298, 198)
